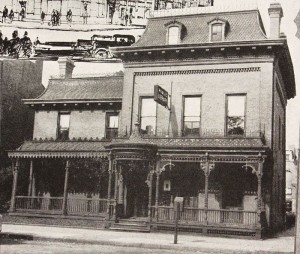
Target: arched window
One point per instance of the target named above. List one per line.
(173, 35)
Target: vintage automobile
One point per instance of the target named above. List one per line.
(96, 47)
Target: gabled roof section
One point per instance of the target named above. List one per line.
(81, 90)
(243, 26)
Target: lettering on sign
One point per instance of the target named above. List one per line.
(161, 96)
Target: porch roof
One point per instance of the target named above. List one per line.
(192, 143)
(60, 149)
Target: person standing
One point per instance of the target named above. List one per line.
(4, 14)
(42, 17)
(11, 15)
(85, 13)
(69, 17)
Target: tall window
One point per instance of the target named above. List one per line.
(148, 116)
(63, 126)
(235, 119)
(112, 125)
(192, 114)
(173, 35)
(216, 32)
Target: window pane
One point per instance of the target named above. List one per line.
(235, 125)
(192, 114)
(64, 121)
(148, 107)
(236, 105)
(173, 35)
(113, 121)
(148, 125)
(192, 106)
(216, 32)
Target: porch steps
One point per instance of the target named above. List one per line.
(131, 226)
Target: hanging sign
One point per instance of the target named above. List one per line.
(161, 96)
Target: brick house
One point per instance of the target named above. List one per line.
(217, 138)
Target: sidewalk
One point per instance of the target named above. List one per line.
(76, 27)
(152, 240)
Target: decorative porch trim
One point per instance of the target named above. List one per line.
(57, 154)
(206, 71)
(215, 158)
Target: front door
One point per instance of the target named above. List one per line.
(136, 193)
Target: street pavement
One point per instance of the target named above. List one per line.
(155, 240)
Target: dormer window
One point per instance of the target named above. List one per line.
(174, 32)
(173, 35)
(217, 30)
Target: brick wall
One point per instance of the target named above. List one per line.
(212, 86)
(90, 124)
(83, 124)
(45, 124)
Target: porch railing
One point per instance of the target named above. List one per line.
(86, 206)
(39, 203)
(75, 206)
(197, 216)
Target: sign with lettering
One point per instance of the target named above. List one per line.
(161, 96)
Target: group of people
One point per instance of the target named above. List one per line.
(7, 16)
(56, 18)
(16, 46)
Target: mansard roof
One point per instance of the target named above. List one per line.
(242, 26)
(96, 89)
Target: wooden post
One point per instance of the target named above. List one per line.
(116, 193)
(150, 180)
(14, 187)
(206, 173)
(259, 174)
(65, 199)
(121, 188)
(30, 179)
(110, 169)
(207, 167)
(157, 188)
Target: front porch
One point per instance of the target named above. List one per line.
(136, 184)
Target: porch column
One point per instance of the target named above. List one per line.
(110, 169)
(30, 179)
(207, 168)
(149, 183)
(157, 188)
(116, 191)
(259, 174)
(121, 188)
(65, 198)
(14, 187)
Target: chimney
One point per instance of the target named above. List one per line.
(66, 66)
(275, 13)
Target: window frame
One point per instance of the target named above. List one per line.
(217, 22)
(226, 114)
(140, 114)
(59, 135)
(183, 114)
(107, 121)
(171, 24)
